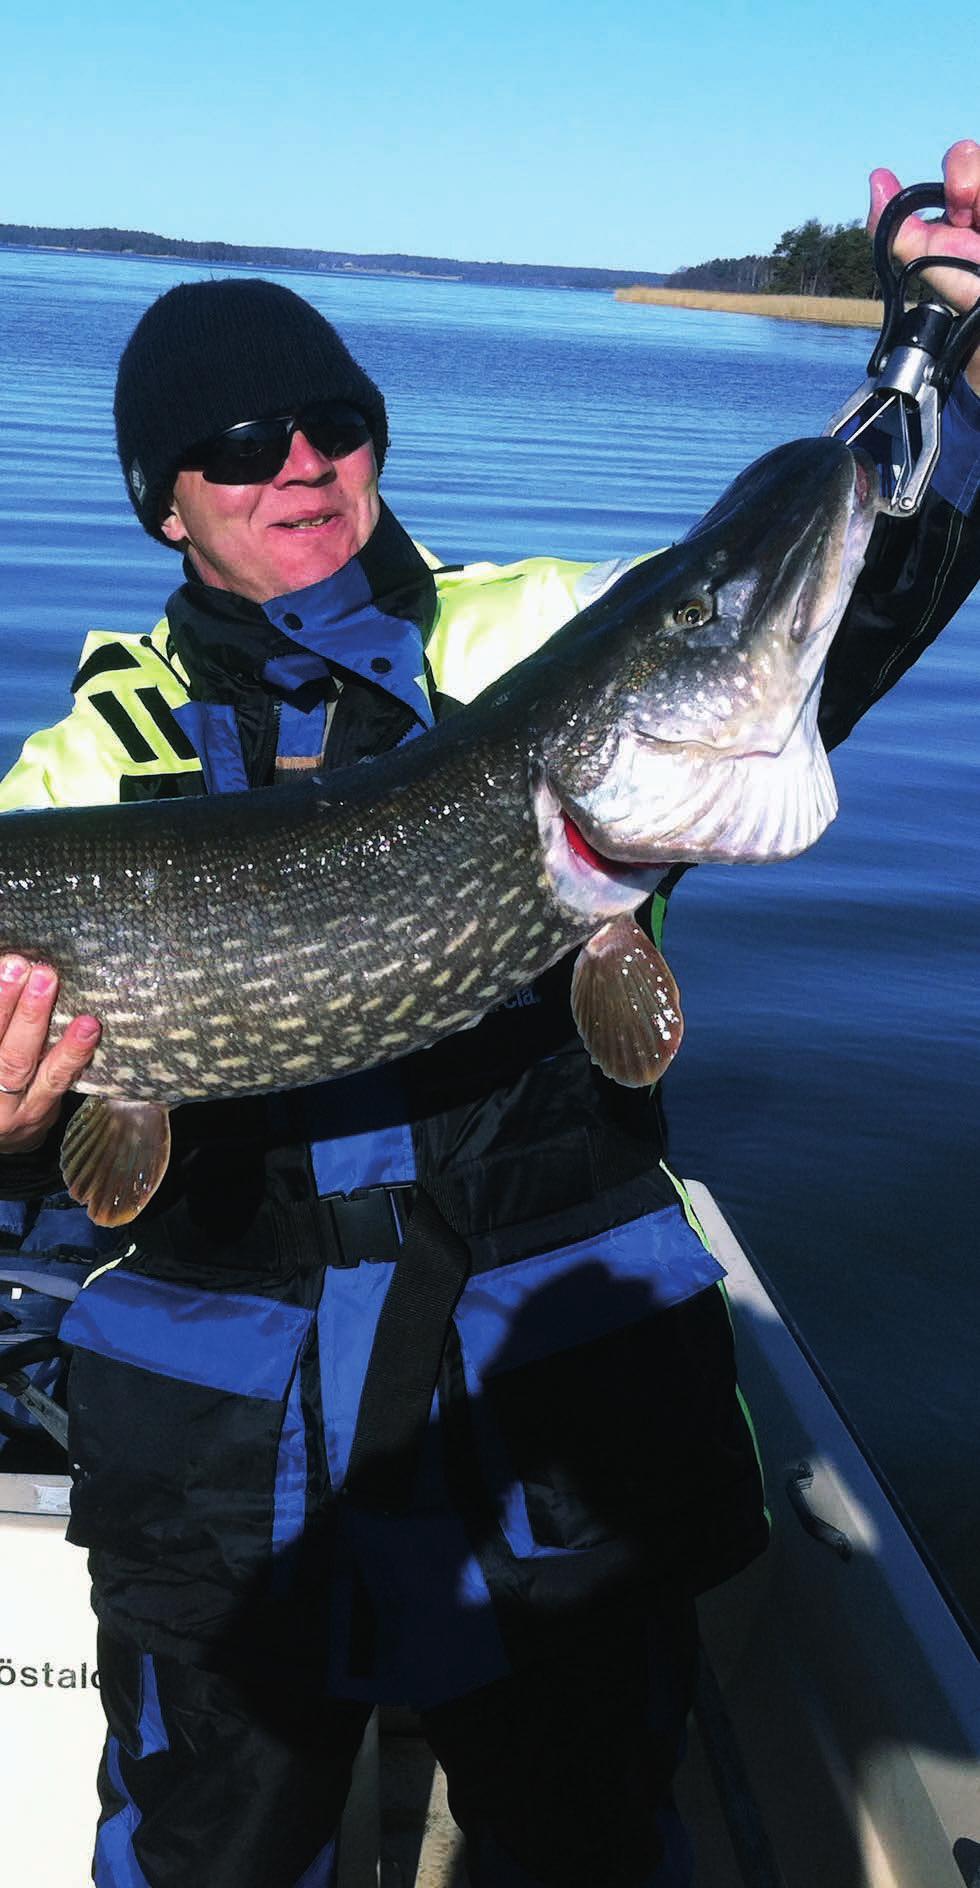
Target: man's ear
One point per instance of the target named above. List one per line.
(172, 524)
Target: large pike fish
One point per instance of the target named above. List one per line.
(272, 939)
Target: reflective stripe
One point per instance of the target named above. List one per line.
(689, 1213)
(104, 661)
(84, 759)
(123, 726)
(159, 786)
(746, 1412)
(109, 1266)
(489, 617)
(165, 719)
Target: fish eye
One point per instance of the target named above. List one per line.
(693, 613)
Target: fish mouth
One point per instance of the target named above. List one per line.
(599, 861)
(710, 807)
(583, 878)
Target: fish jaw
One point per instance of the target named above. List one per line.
(583, 880)
(711, 753)
(717, 808)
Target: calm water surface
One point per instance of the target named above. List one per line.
(828, 1090)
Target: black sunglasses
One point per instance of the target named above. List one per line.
(255, 450)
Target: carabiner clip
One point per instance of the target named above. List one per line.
(896, 413)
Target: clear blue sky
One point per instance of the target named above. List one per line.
(626, 134)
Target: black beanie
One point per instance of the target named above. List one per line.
(208, 355)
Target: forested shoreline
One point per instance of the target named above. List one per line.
(130, 242)
(812, 259)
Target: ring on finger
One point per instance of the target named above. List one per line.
(4, 1090)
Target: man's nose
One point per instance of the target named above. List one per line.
(305, 462)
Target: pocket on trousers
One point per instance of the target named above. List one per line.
(178, 1406)
(628, 1437)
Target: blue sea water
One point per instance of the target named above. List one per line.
(828, 1088)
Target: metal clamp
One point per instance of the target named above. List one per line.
(15, 1381)
(896, 413)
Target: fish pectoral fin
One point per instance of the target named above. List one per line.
(626, 1005)
(114, 1156)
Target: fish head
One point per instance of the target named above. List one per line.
(692, 733)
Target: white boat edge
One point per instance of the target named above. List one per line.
(850, 1691)
(851, 1688)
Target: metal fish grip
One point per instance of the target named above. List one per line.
(896, 414)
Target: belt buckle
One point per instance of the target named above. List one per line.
(368, 1223)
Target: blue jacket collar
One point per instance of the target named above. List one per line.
(260, 676)
(370, 619)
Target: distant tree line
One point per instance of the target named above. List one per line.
(814, 259)
(143, 243)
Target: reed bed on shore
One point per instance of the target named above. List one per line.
(835, 310)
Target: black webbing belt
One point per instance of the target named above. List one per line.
(431, 1269)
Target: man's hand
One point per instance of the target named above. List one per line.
(33, 1079)
(957, 234)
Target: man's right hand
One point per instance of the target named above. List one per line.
(33, 1078)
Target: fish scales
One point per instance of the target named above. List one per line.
(137, 917)
(271, 939)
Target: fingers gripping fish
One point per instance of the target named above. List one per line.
(277, 938)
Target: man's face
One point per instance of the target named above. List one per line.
(262, 541)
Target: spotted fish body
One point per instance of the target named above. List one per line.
(268, 939)
(275, 938)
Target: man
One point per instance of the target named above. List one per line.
(281, 1530)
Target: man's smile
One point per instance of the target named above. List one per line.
(307, 524)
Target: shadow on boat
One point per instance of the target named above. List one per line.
(836, 1734)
